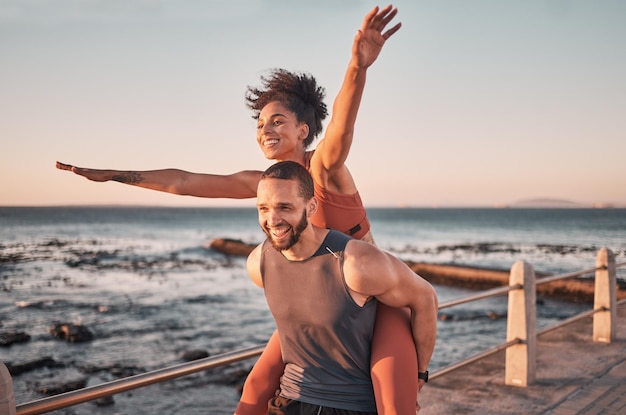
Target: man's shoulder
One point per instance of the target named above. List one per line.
(361, 249)
(255, 254)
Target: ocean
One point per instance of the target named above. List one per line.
(143, 281)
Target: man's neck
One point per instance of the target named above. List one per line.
(308, 244)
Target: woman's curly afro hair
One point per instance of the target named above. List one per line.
(299, 92)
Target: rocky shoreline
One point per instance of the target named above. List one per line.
(76, 374)
(578, 290)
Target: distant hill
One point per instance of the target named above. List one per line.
(547, 203)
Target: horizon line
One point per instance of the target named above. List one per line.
(376, 206)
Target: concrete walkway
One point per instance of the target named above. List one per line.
(605, 395)
(575, 376)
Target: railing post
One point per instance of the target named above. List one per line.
(605, 297)
(7, 398)
(520, 366)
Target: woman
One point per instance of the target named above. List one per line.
(289, 109)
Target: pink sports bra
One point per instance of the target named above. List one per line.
(342, 212)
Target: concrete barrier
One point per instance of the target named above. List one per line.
(7, 397)
(520, 366)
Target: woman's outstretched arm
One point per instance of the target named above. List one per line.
(240, 185)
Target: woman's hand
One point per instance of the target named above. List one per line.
(370, 39)
(91, 174)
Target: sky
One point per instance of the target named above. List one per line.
(471, 103)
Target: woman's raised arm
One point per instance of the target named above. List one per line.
(332, 151)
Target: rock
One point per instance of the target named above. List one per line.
(234, 247)
(116, 370)
(73, 333)
(460, 276)
(66, 386)
(577, 290)
(8, 338)
(469, 316)
(233, 376)
(197, 354)
(32, 365)
(104, 401)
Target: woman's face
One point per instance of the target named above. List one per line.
(279, 134)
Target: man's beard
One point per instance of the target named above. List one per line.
(295, 235)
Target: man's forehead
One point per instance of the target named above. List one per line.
(271, 188)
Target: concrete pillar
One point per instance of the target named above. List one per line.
(7, 398)
(520, 366)
(605, 297)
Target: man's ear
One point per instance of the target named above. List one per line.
(312, 207)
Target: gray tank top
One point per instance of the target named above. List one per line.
(325, 335)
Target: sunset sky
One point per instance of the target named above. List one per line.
(471, 103)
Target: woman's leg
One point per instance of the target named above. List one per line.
(263, 380)
(394, 362)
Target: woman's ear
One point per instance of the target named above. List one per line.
(304, 131)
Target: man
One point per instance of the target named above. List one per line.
(322, 287)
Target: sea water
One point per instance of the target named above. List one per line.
(144, 281)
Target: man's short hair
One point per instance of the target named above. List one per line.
(291, 170)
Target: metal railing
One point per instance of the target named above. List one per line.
(504, 346)
(505, 290)
(133, 382)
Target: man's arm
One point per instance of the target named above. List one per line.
(241, 185)
(372, 272)
(411, 290)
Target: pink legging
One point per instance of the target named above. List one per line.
(393, 368)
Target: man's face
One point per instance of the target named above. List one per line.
(282, 212)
